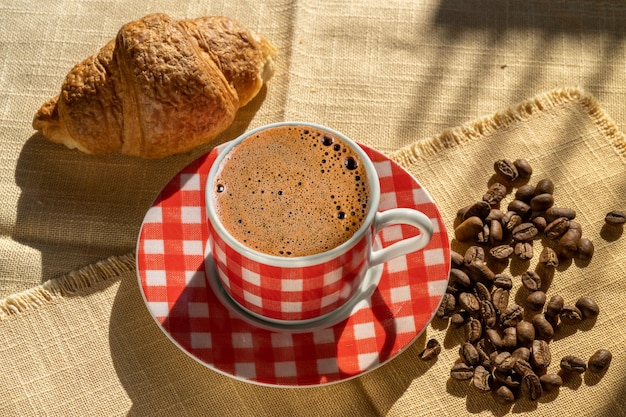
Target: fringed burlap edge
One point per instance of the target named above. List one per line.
(480, 128)
(69, 284)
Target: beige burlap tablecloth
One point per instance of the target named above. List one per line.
(393, 75)
(86, 342)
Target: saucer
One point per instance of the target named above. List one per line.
(178, 292)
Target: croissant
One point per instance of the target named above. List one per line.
(161, 87)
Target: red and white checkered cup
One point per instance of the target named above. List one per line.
(306, 288)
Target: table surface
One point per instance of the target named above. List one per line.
(387, 74)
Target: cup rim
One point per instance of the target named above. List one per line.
(296, 261)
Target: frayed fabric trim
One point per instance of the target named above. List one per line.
(70, 284)
(423, 149)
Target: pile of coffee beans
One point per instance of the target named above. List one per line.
(506, 348)
(530, 216)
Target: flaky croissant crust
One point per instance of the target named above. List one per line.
(159, 88)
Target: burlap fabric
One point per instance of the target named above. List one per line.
(392, 76)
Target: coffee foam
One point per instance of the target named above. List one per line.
(291, 191)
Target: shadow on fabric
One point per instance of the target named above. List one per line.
(160, 379)
(499, 27)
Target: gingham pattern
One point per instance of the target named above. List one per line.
(290, 293)
(171, 275)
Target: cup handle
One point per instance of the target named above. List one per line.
(401, 216)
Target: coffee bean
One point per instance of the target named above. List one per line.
(506, 169)
(585, 249)
(474, 253)
(532, 386)
(512, 315)
(543, 328)
(615, 218)
(531, 280)
(459, 277)
(556, 228)
(469, 302)
(512, 221)
(432, 350)
(540, 354)
(473, 330)
(536, 300)
(456, 259)
(496, 233)
(488, 313)
(494, 337)
(479, 271)
(540, 223)
(573, 364)
(554, 213)
(503, 281)
(480, 209)
(459, 318)
(588, 308)
(599, 361)
(550, 382)
(503, 395)
(525, 193)
(571, 314)
(544, 186)
(486, 350)
(548, 257)
(495, 214)
(469, 354)
(469, 229)
(524, 169)
(495, 194)
(500, 299)
(523, 250)
(555, 305)
(501, 252)
(525, 333)
(525, 232)
(542, 202)
(519, 207)
(462, 372)
(482, 379)
(481, 292)
(447, 306)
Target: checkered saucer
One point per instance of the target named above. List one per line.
(174, 283)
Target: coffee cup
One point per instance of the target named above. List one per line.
(292, 212)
